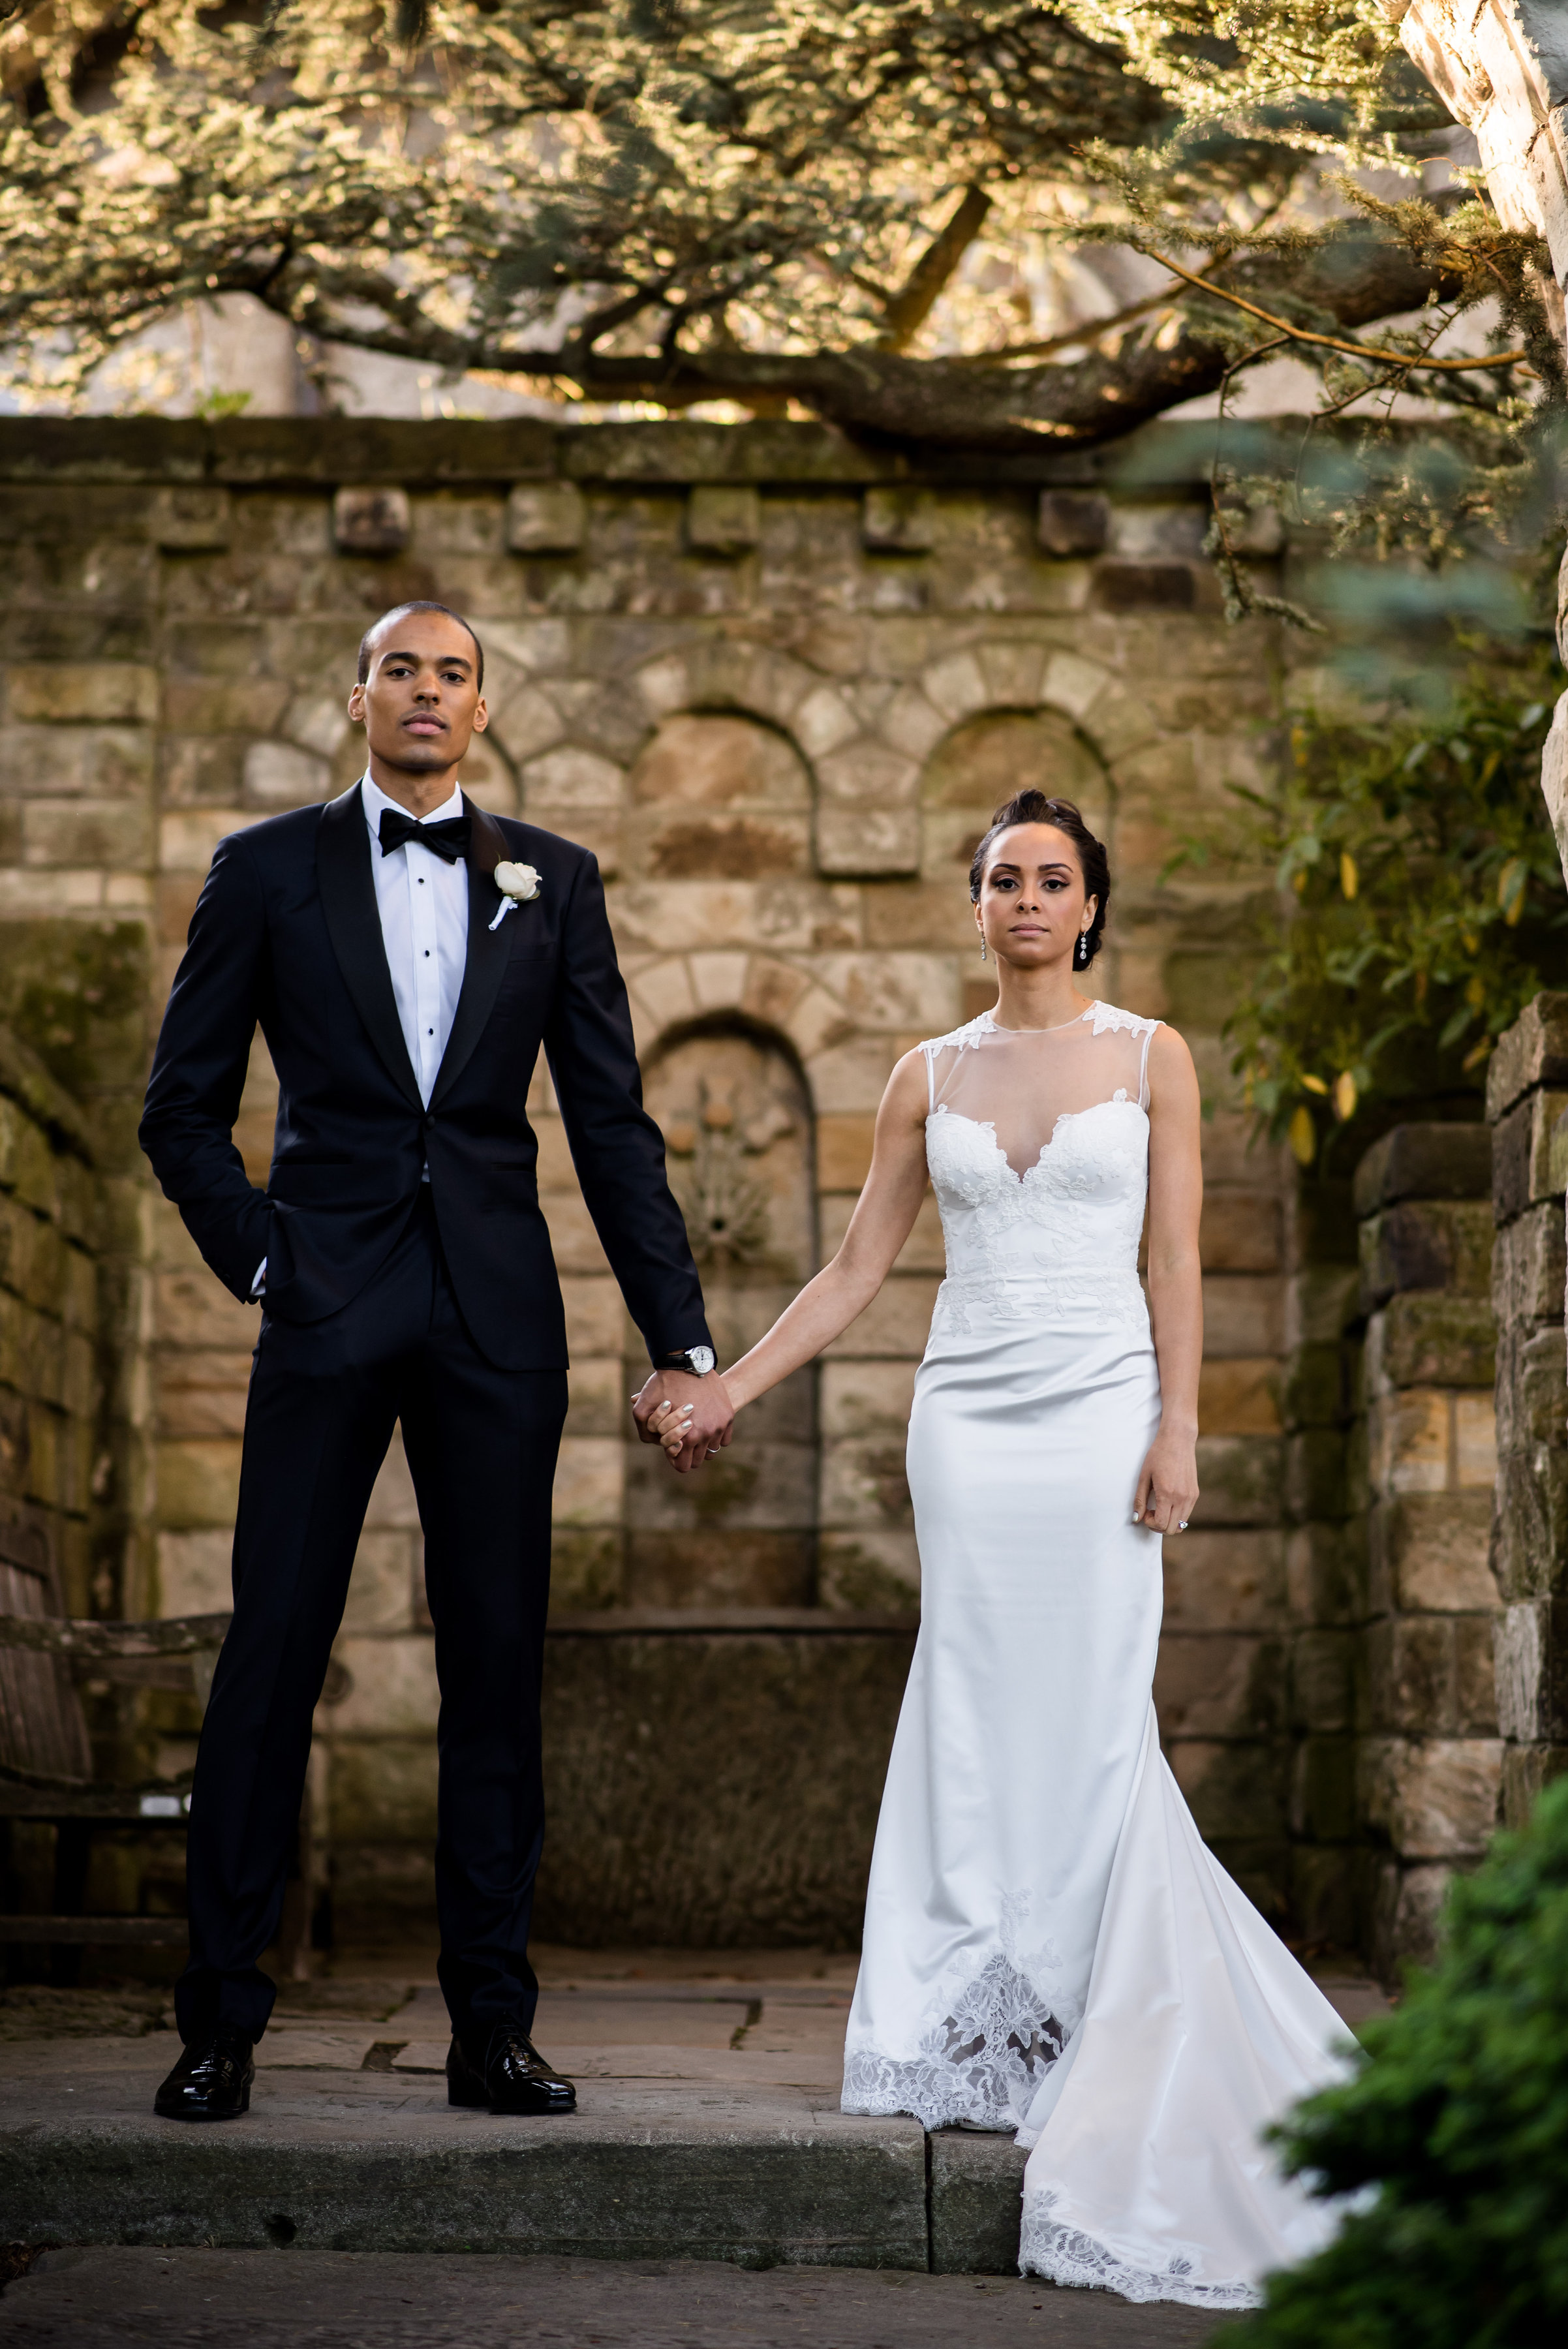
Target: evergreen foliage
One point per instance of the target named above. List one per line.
(1421, 903)
(1455, 2131)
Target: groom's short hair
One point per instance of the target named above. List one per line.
(396, 613)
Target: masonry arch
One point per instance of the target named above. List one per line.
(730, 1097)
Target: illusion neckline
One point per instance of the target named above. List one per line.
(1061, 1028)
(987, 1126)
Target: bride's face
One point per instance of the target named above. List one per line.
(1032, 903)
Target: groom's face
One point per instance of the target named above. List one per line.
(420, 706)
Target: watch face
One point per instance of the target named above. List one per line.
(701, 1359)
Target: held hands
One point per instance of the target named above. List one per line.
(1166, 1491)
(691, 1417)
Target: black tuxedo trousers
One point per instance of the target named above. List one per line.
(482, 1445)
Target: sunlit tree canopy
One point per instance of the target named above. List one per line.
(861, 210)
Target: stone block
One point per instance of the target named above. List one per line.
(1532, 1386)
(382, 1586)
(391, 1689)
(860, 1400)
(373, 522)
(1424, 1162)
(1531, 1656)
(571, 777)
(1430, 1553)
(85, 833)
(1326, 1572)
(198, 1483)
(1323, 1680)
(1411, 1670)
(1426, 1244)
(78, 762)
(1426, 1338)
(1072, 525)
(1322, 1301)
(1528, 1267)
(1407, 1917)
(722, 520)
(1239, 1398)
(1240, 1231)
(867, 843)
(99, 693)
(195, 1572)
(190, 521)
(588, 1569)
(1475, 1441)
(1241, 1316)
(1236, 1791)
(709, 1789)
(1530, 1547)
(1523, 1173)
(545, 518)
(1314, 1390)
(224, 705)
(1324, 1790)
(895, 1323)
(1526, 1769)
(1533, 1052)
(381, 1789)
(1146, 587)
(897, 522)
(844, 1145)
(872, 1570)
(1218, 1684)
(1409, 1435)
(1315, 1475)
(976, 2202)
(1324, 1888)
(1241, 1480)
(1433, 1798)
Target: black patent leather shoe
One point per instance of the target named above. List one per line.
(513, 2078)
(212, 2081)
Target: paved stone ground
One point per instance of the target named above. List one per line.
(352, 2299)
(708, 2147)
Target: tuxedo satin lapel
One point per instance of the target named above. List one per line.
(354, 924)
(485, 963)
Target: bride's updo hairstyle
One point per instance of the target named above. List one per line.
(1034, 807)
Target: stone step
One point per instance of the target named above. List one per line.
(375, 2160)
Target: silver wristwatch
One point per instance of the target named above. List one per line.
(697, 1359)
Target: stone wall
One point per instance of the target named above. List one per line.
(1527, 1099)
(777, 684)
(1389, 1401)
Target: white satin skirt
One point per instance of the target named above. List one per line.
(1049, 1947)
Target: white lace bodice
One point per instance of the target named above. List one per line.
(1037, 1143)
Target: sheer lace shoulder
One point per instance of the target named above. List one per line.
(1106, 1017)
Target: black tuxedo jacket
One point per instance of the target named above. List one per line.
(286, 932)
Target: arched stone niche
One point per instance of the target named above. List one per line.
(740, 1531)
(716, 796)
(985, 761)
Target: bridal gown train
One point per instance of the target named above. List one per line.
(1049, 1947)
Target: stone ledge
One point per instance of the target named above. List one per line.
(1424, 1162)
(1533, 1052)
(324, 452)
(371, 2160)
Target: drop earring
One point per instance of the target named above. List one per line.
(982, 945)
(1081, 952)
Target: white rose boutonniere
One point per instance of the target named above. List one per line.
(518, 883)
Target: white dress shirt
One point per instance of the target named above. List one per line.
(424, 904)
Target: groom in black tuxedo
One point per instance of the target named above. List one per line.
(406, 955)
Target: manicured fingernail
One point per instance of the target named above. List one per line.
(1137, 1516)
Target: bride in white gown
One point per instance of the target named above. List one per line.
(1049, 1947)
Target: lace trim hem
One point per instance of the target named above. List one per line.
(1068, 2256)
(936, 2097)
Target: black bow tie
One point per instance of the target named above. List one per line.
(449, 838)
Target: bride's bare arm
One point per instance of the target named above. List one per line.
(1168, 1482)
(883, 1219)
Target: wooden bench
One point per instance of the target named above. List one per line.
(45, 1758)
